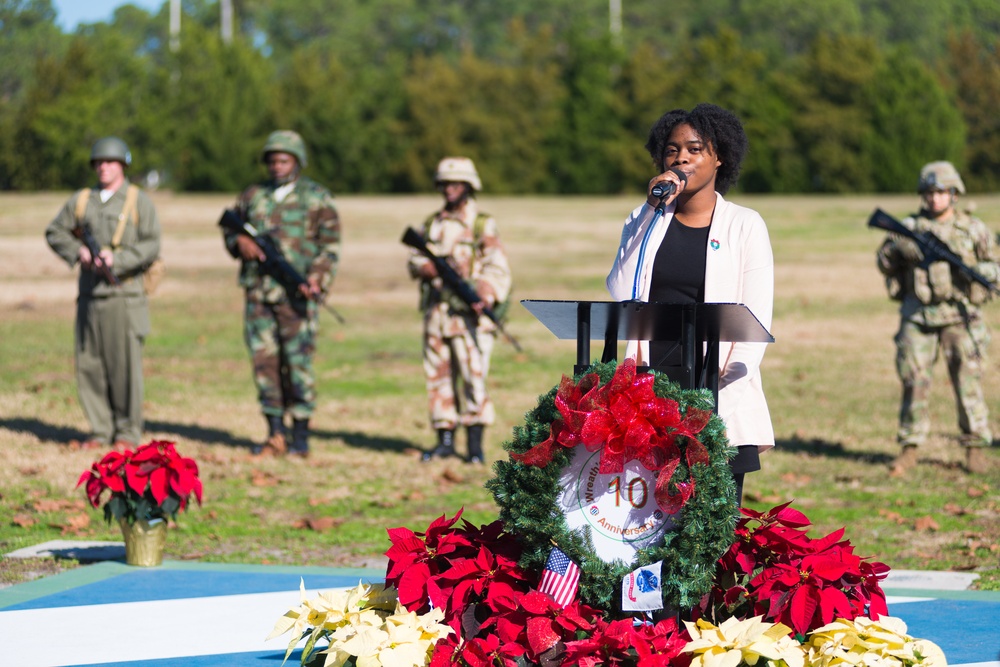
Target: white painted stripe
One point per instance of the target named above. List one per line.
(899, 599)
(134, 631)
(144, 630)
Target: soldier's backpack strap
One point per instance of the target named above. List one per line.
(479, 225)
(152, 274)
(82, 198)
(500, 308)
(427, 225)
(130, 210)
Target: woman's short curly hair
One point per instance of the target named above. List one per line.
(717, 127)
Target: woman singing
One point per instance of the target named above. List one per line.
(703, 249)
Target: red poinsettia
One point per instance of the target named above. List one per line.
(152, 482)
(776, 570)
(535, 621)
(660, 645)
(499, 619)
(626, 421)
(453, 568)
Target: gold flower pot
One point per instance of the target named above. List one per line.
(144, 542)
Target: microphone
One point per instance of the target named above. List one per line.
(664, 189)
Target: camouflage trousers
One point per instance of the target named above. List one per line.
(963, 347)
(456, 369)
(282, 340)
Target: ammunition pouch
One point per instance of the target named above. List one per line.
(894, 286)
(501, 309)
(942, 287)
(153, 276)
(933, 284)
(978, 294)
(430, 296)
(455, 303)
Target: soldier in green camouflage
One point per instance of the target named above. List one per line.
(280, 328)
(458, 340)
(112, 320)
(940, 312)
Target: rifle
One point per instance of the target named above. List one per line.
(86, 236)
(274, 264)
(454, 282)
(933, 248)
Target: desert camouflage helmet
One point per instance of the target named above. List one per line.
(285, 141)
(940, 176)
(459, 170)
(111, 148)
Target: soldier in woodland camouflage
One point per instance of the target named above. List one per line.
(280, 328)
(458, 340)
(940, 311)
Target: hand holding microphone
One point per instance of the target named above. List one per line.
(663, 190)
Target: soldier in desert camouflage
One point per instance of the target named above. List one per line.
(280, 328)
(940, 312)
(458, 340)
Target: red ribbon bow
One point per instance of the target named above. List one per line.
(626, 421)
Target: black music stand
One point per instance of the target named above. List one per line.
(694, 326)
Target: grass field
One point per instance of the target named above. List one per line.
(829, 378)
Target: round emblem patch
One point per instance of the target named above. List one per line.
(617, 510)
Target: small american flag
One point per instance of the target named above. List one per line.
(560, 577)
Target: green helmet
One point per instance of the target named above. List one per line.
(285, 141)
(111, 148)
(940, 176)
(458, 170)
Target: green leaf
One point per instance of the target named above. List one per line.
(115, 507)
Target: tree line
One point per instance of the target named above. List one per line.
(836, 96)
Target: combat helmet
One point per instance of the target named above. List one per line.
(285, 141)
(458, 170)
(940, 176)
(111, 148)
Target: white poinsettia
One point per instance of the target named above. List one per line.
(864, 642)
(324, 614)
(737, 642)
(403, 639)
(366, 623)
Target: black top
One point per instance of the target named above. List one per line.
(678, 277)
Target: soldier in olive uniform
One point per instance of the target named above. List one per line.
(458, 340)
(940, 311)
(280, 328)
(112, 321)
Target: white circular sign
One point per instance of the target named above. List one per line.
(617, 510)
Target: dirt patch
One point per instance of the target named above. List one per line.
(19, 570)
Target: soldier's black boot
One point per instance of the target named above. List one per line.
(275, 443)
(300, 438)
(445, 446)
(475, 433)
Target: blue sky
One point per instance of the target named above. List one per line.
(70, 13)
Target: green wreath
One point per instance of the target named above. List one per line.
(704, 528)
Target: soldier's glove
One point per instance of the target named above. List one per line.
(908, 250)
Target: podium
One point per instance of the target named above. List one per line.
(698, 328)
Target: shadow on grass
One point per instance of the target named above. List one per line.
(830, 450)
(204, 434)
(63, 434)
(369, 441)
(43, 431)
